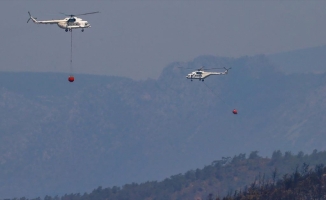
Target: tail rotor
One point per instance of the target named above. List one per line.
(30, 17)
(227, 70)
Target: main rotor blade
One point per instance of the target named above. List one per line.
(87, 13)
(201, 68)
(215, 68)
(79, 14)
(186, 68)
(65, 14)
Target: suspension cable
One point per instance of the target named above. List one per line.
(71, 70)
(214, 93)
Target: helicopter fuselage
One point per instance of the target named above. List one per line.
(68, 23)
(201, 75)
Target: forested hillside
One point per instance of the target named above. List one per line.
(59, 137)
(304, 183)
(233, 178)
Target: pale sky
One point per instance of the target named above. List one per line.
(138, 39)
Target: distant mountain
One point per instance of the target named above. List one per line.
(301, 61)
(58, 137)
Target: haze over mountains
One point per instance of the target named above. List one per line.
(58, 137)
(301, 61)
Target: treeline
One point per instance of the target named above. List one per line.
(305, 183)
(215, 180)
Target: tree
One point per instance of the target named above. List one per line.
(254, 155)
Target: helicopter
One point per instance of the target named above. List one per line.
(200, 74)
(68, 23)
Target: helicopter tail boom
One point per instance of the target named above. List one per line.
(219, 73)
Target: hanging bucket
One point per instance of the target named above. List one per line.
(71, 79)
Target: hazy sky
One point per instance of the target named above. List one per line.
(139, 38)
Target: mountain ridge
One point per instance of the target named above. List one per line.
(306, 60)
(58, 137)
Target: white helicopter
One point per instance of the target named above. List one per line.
(68, 23)
(200, 74)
